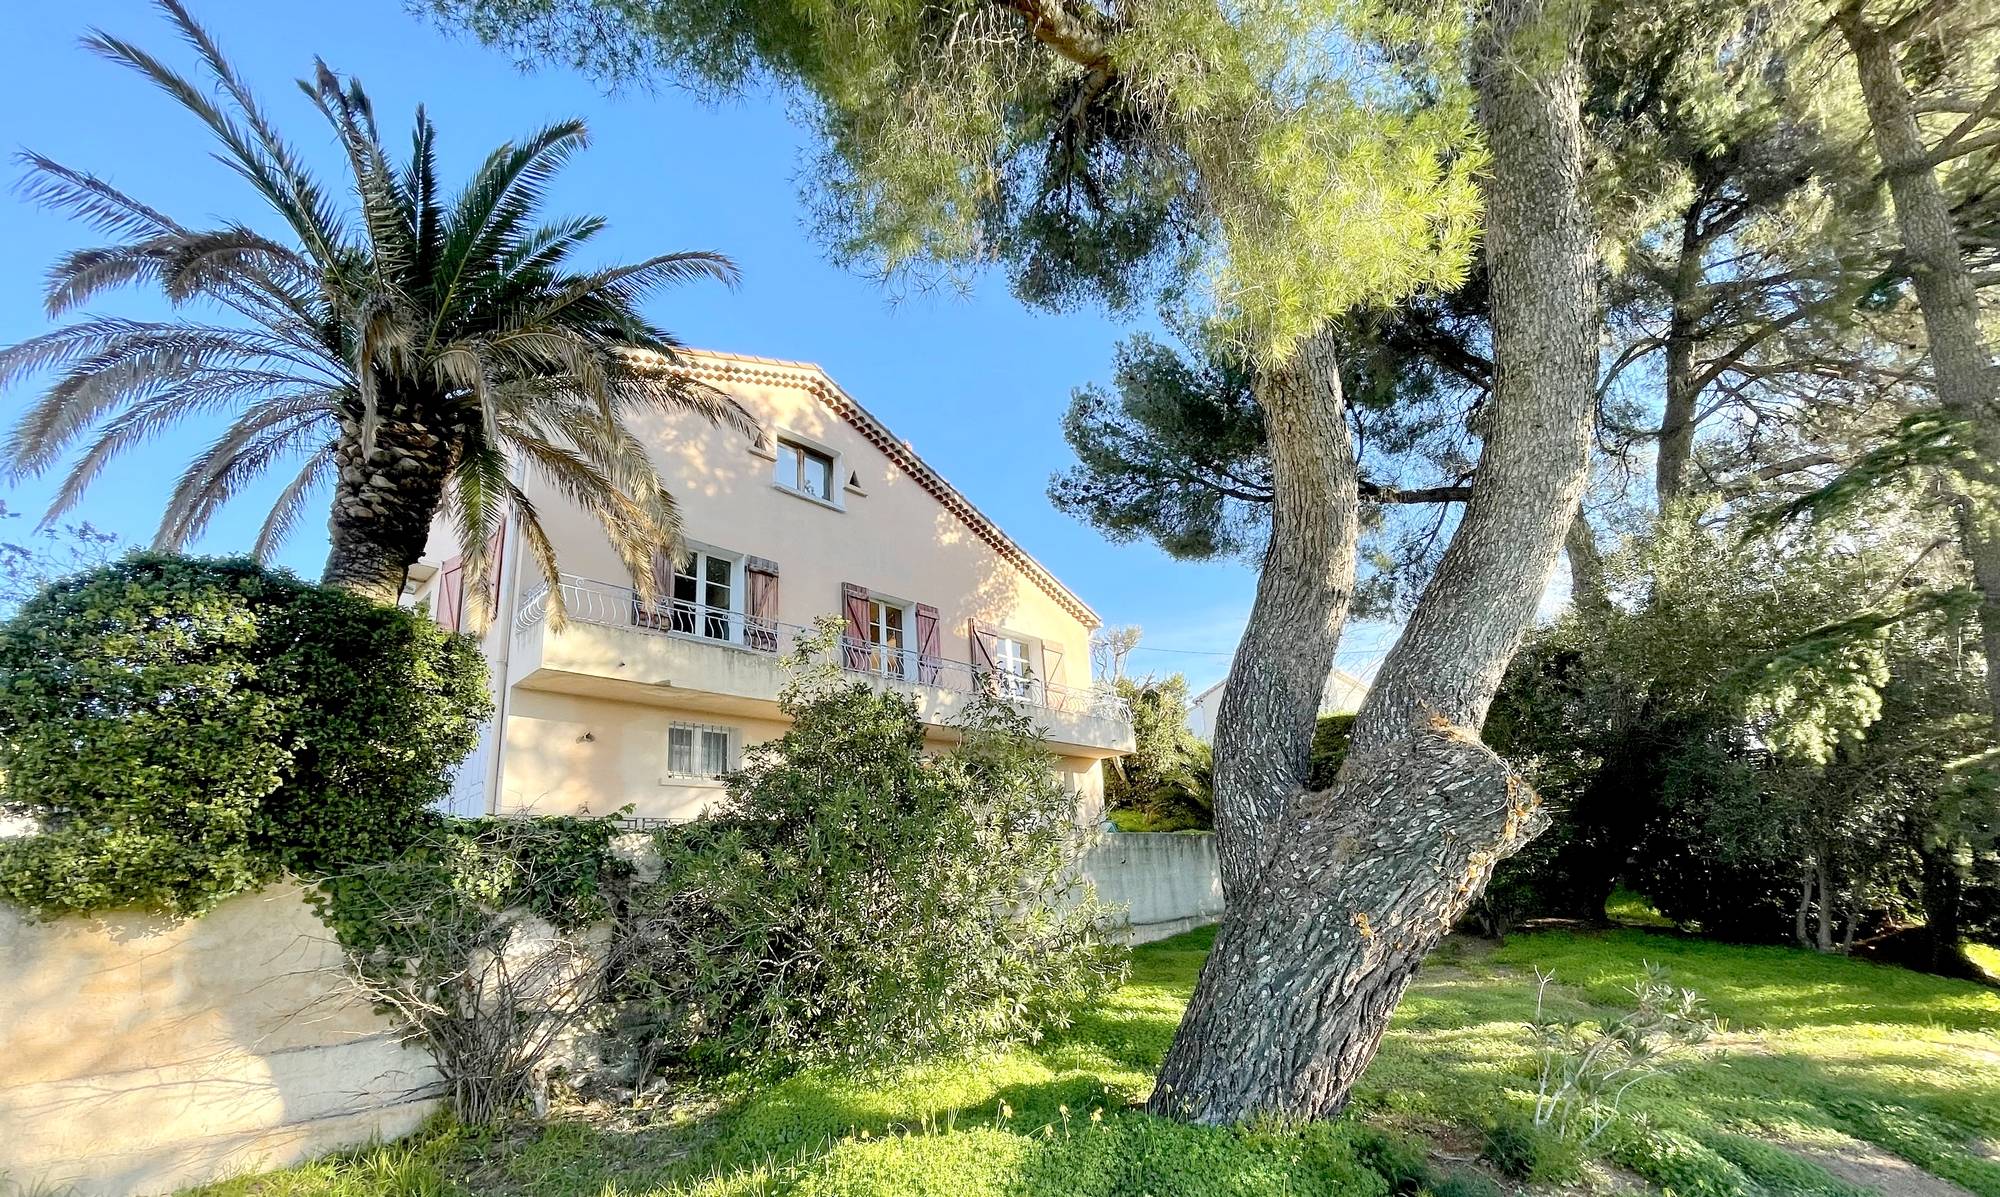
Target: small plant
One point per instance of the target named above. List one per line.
(1398, 1159)
(1585, 1069)
(1463, 1184)
(1517, 1146)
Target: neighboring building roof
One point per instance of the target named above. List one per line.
(733, 367)
(1338, 682)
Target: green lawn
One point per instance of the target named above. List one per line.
(1819, 1054)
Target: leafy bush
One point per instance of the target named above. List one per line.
(184, 729)
(1167, 780)
(477, 939)
(856, 899)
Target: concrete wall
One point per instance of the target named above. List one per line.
(137, 1057)
(1169, 882)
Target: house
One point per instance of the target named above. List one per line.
(1342, 696)
(821, 511)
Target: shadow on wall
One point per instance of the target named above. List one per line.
(141, 1056)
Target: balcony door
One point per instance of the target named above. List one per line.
(708, 596)
(888, 626)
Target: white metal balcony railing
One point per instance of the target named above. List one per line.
(606, 605)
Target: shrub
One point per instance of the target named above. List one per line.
(478, 940)
(1167, 781)
(184, 729)
(856, 899)
(1398, 1159)
(1584, 1070)
(1519, 1148)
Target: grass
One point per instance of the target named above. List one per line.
(1987, 957)
(1817, 1051)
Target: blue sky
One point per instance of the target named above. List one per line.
(976, 383)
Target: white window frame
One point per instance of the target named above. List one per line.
(900, 666)
(698, 738)
(801, 446)
(1014, 682)
(732, 617)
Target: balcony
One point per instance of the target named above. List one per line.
(616, 645)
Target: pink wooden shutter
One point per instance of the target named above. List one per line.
(761, 628)
(982, 639)
(1052, 683)
(448, 602)
(929, 651)
(854, 632)
(657, 615)
(496, 546)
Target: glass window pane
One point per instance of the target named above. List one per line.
(680, 750)
(714, 752)
(786, 471)
(819, 476)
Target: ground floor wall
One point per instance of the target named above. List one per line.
(138, 1057)
(572, 754)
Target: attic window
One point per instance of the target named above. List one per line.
(804, 470)
(854, 483)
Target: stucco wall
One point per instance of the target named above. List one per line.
(1169, 882)
(568, 752)
(137, 1057)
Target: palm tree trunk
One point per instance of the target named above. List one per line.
(1964, 371)
(384, 498)
(1297, 992)
(1264, 730)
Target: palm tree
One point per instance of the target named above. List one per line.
(421, 353)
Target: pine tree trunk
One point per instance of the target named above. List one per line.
(1677, 419)
(1368, 875)
(384, 500)
(1965, 376)
(1263, 732)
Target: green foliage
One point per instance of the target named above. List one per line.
(479, 941)
(1267, 148)
(184, 729)
(1329, 749)
(857, 899)
(1398, 1159)
(462, 874)
(1759, 735)
(1525, 1151)
(1585, 1069)
(1167, 778)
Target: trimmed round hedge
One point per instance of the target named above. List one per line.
(186, 729)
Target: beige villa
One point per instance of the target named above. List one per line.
(821, 511)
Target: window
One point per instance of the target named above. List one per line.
(1010, 657)
(697, 750)
(805, 470)
(704, 598)
(885, 638)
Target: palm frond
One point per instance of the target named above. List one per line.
(290, 505)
